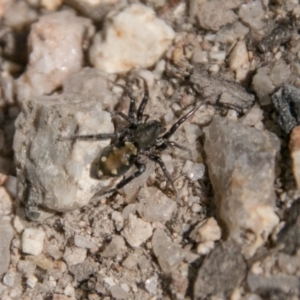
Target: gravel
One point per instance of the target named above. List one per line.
(230, 230)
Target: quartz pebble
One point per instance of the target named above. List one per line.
(74, 255)
(155, 206)
(133, 38)
(136, 231)
(33, 241)
(118, 293)
(207, 230)
(241, 165)
(83, 242)
(55, 56)
(238, 56)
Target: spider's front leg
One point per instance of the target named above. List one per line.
(95, 137)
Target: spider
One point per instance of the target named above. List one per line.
(140, 137)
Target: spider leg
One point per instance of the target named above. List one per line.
(122, 115)
(167, 143)
(132, 107)
(175, 126)
(144, 102)
(141, 167)
(95, 137)
(162, 165)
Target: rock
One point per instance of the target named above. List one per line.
(151, 285)
(253, 117)
(154, 206)
(136, 231)
(278, 36)
(82, 271)
(288, 239)
(56, 52)
(58, 182)
(231, 33)
(96, 9)
(12, 279)
(222, 271)
(5, 202)
(214, 14)
(205, 231)
(294, 146)
(217, 90)
(287, 105)
(169, 254)
(115, 247)
(74, 255)
(11, 185)
(93, 83)
(134, 38)
(6, 235)
(238, 56)
(280, 282)
(241, 164)
(118, 293)
(269, 77)
(252, 14)
(83, 242)
(33, 241)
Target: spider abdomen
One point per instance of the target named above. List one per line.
(117, 159)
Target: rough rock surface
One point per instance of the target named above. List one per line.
(54, 173)
(138, 37)
(242, 171)
(222, 271)
(6, 235)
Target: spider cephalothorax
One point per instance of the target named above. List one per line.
(140, 137)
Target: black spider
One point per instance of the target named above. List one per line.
(140, 137)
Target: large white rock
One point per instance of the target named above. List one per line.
(55, 46)
(133, 38)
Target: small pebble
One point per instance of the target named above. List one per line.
(33, 241)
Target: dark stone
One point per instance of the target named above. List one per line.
(222, 271)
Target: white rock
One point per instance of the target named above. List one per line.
(253, 116)
(18, 225)
(74, 255)
(11, 185)
(196, 172)
(136, 231)
(5, 202)
(238, 56)
(252, 14)
(133, 38)
(151, 285)
(205, 248)
(83, 242)
(56, 52)
(11, 278)
(206, 231)
(31, 281)
(33, 241)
